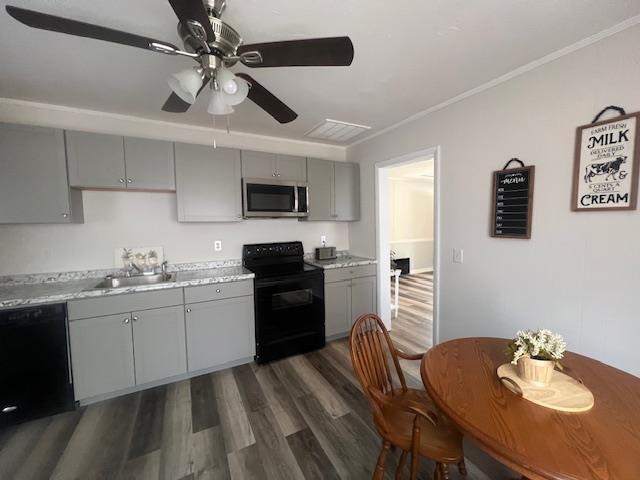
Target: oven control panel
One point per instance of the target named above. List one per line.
(270, 250)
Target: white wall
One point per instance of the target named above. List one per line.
(580, 272)
(131, 219)
(128, 219)
(411, 220)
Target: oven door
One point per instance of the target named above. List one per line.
(269, 198)
(289, 316)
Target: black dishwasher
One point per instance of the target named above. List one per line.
(35, 379)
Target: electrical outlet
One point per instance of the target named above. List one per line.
(217, 245)
(458, 255)
(323, 239)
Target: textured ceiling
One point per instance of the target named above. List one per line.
(409, 54)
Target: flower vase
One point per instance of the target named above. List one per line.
(537, 372)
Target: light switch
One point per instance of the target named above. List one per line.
(458, 255)
(217, 245)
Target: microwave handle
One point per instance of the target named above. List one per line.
(295, 198)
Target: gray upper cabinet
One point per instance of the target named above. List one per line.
(334, 190)
(149, 164)
(274, 166)
(346, 191)
(320, 173)
(291, 168)
(95, 160)
(33, 177)
(258, 164)
(208, 183)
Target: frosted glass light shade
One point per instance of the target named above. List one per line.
(241, 92)
(218, 105)
(227, 81)
(186, 84)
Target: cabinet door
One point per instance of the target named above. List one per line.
(320, 180)
(219, 332)
(291, 168)
(149, 164)
(33, 177)
(258, 164)
(337, 298)
(159, 340)
(347, 191)
(363, 297)
(208, 183)
(95, 160)
(101, 355)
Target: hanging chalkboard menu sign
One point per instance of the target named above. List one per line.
(512, 201)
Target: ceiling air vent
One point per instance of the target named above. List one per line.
(336, 131)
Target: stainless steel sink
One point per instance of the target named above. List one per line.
(137, 280)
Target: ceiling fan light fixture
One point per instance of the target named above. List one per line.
(186, 83)
(241, 93)
(218, 104)
(227, 80)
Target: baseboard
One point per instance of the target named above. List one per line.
(421, 270)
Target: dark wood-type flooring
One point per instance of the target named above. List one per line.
(303, 417)
(412, 330)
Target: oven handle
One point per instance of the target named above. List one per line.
(270, 282)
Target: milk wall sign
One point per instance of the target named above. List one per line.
(605, 168)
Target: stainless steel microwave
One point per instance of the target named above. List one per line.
(273, 198)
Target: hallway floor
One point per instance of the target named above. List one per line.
(412, 330)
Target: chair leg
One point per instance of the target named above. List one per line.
(436, 472)
(462, 468)
(444, 471)
(378, 474)
(403, 457)
(415, 443)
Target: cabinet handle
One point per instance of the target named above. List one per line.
(65, 215)
(188, 310)
(217, 290)
(273, 174)
(121, 180)
(135, 319)
(129, 180)
(126, 321)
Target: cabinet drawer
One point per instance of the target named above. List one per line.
(346, 273)
(218, 291)
(97, 307)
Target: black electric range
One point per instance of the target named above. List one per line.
(289, 300)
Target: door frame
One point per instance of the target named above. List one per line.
(383, 247)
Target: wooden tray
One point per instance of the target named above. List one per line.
(563, 393)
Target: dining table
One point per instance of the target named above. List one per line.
(538, 443)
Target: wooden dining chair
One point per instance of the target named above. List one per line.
(405, 418)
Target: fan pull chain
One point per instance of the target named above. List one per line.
(215, 143)
(228, 125)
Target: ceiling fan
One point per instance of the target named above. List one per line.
(216, 47)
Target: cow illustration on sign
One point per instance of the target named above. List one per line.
(610, 169)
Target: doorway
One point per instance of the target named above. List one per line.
(407, 221)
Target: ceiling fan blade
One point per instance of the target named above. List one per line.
(175, 104)
(193, 10)
(333, 51)
(53, 23)
(268, 101)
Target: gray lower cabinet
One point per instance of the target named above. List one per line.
(101, 355)
(334, 190)
(363, 297)
(208, 183)
(219, 332)
(159, 340)
(346, 300)
(95, 160)
(33, 177)
(149, 164)
(337, 301)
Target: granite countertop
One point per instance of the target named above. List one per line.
(342, 261)
(17, 294)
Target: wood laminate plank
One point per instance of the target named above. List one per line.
(99, 444)
(233, 415)
(311, 458)
(246, 464)
(204, 412)
(16, 448)
(210, 455)
(281, 403)
(249, 388)
(44, 454)
(147, 431)
(177, 458)
(143, 467)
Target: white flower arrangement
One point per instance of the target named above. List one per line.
(540, 345)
